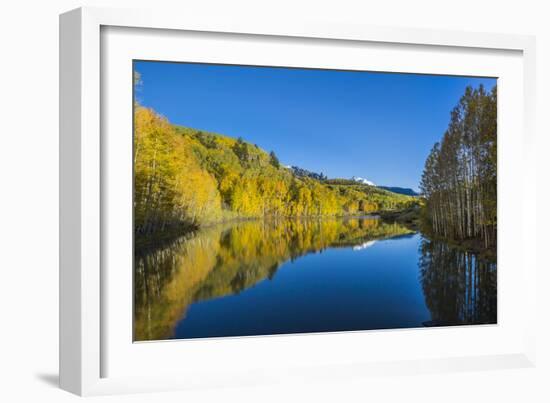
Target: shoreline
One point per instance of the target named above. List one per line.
(471, 245)
(409, 218)
(142, 242)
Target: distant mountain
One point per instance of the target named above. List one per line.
(393, 189)
(362, 180)
(304, 173)
(401, 191)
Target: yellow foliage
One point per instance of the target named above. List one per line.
(186, 178)
(227, 258)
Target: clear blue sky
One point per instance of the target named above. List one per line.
(379, 126)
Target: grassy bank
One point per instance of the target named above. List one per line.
(409, 217)
(472, 245)
(413, 219)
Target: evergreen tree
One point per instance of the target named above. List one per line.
(273, 160)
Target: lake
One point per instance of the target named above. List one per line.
(307, 275)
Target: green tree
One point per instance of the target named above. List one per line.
(274, 160)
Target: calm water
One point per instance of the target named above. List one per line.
(296, 276)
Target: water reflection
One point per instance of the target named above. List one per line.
(359, 274)
(459, 287)
(227, 259)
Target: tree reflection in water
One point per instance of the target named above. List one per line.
(459, 287)
(227, 259)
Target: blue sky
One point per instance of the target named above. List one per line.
(380, 126)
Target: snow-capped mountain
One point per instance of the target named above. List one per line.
(363, 181)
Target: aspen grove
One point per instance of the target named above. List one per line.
(459, 182)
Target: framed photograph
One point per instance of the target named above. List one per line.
(243, 201)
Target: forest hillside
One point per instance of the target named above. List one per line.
(185, 178)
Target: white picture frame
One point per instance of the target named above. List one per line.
(93, 348)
